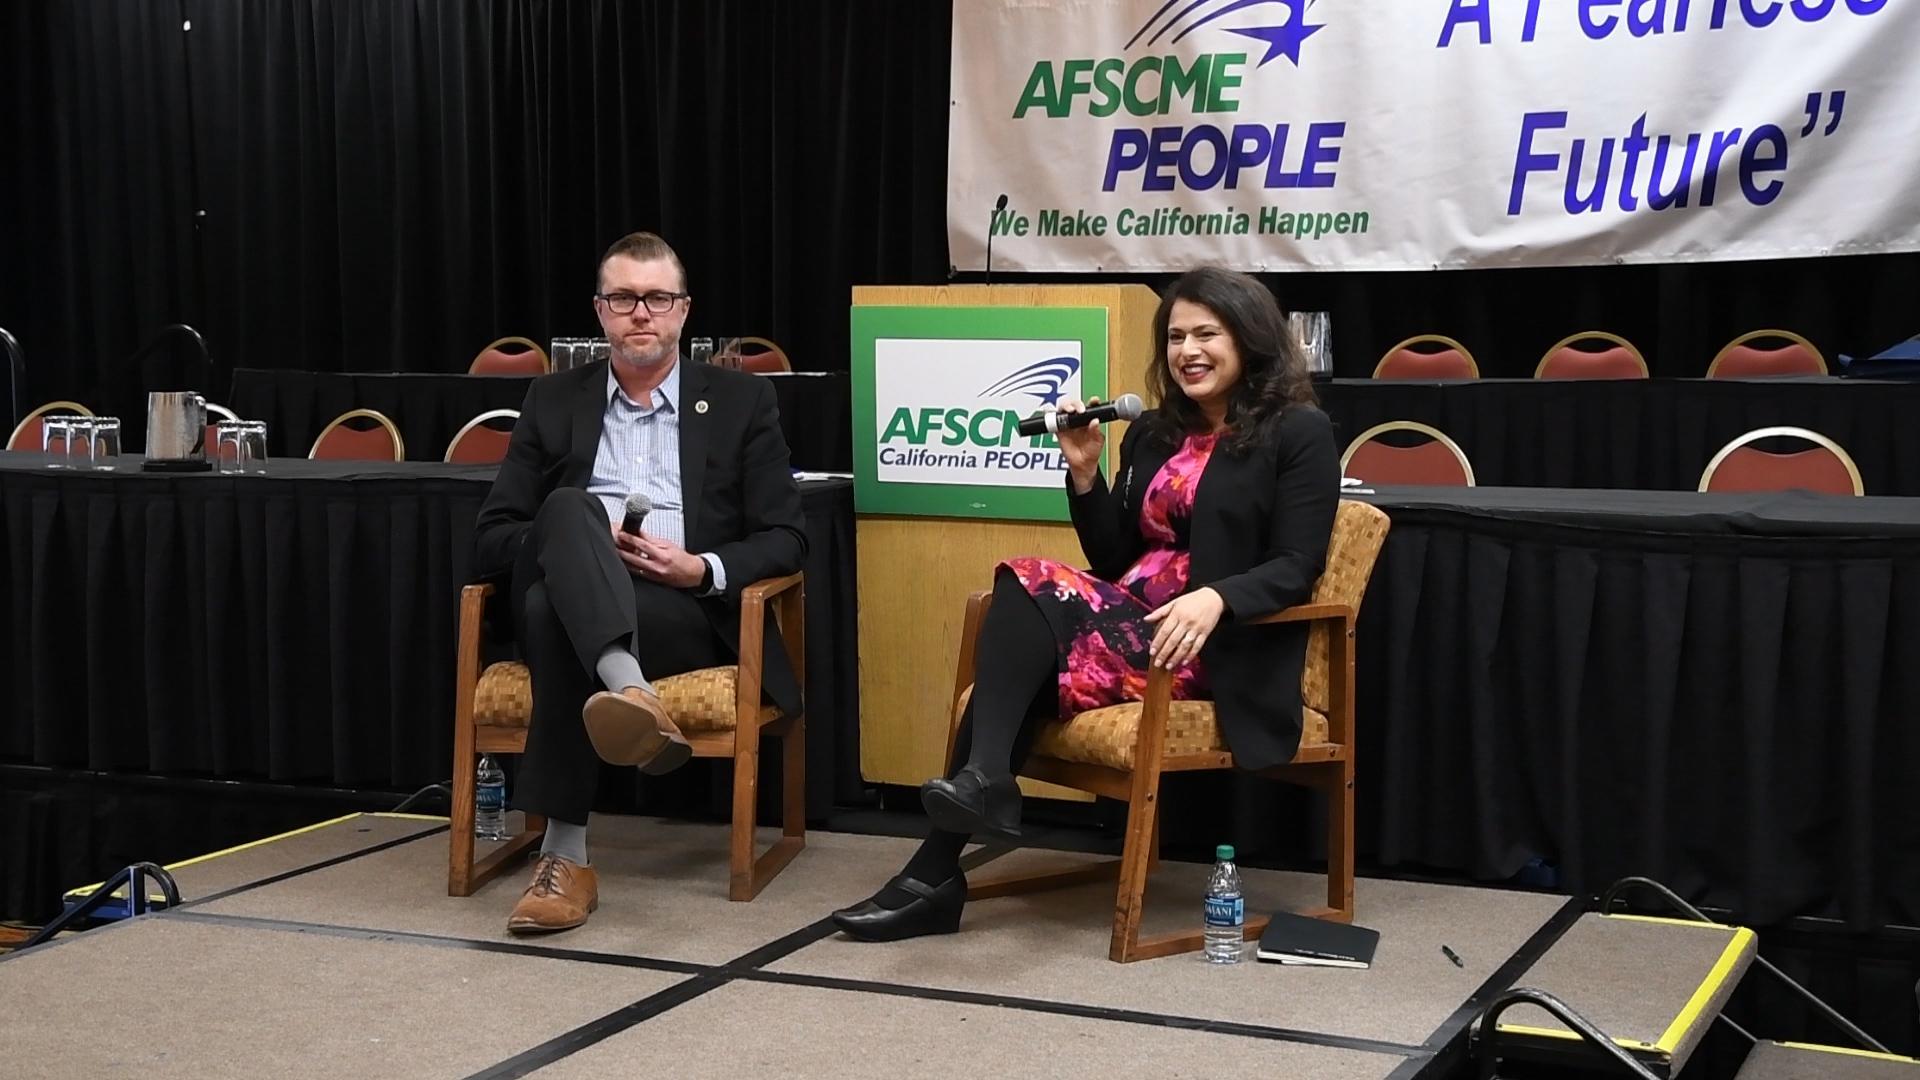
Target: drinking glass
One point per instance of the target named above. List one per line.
(601, 350)
(253, 447)
(56, 439)
(106, 443)
(228, 449)
(1314, 331)
(701, 350)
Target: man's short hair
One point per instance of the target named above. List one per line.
(643, 247)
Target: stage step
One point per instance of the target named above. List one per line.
(1805, 1061)
(1654, 985)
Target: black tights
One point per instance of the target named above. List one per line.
(1016, 683)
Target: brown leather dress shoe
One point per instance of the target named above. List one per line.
(560, 898)
(632, 728)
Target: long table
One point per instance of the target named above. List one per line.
(815, 408)
(1637, 433)
(1709, 689)
(295, 627)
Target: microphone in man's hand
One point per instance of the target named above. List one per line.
(1052, 421)
(637, 507)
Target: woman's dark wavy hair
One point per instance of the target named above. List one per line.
(1273, 369)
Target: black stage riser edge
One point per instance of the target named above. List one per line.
(323, 864)
(1447, 1047)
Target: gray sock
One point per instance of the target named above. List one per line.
(567, 840)
(618, 670)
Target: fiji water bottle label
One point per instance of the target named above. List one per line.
(1222, 911)
(491, 797)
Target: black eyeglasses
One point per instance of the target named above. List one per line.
(623, 303)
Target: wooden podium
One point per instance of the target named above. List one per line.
(915, 572)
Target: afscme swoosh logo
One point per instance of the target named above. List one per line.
(1044, 379)
(1282, 35)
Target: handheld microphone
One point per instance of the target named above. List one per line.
(1053, 421)
(637, 507)
(998, 206)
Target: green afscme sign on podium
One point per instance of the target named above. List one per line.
(938, 394)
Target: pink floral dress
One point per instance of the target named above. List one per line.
(1101, 626)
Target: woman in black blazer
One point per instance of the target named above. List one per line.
(1220, 513)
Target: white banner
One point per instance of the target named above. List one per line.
(1427, 134)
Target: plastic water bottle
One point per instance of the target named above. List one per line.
(490, 801)
(1226, 910)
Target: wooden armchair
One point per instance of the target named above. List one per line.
(719, 709)
(1101, 751)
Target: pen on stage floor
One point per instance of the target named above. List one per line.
(1453, 956)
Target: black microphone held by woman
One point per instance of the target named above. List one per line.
(1233, 481)
(1053, 421)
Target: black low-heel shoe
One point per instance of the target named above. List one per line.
(973, 805)
(933, 910)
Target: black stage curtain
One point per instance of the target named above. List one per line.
(388, 187)
(297, 627)
(391, 186)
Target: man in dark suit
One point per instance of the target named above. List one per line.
(598, 611)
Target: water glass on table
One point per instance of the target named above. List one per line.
(229, 448)
(1314, 331)
(56, 437)
(104, 446)
(253, 447)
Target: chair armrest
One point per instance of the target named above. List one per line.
(787, 592)
(1304, 613)
(466, 655)
(977, 603)
(757, 594)
(473, 609)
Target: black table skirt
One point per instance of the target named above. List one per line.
(1637, 433)
(298, 627)
(429, 409)
(1711, 690)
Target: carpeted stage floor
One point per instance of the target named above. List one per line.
(338, 950)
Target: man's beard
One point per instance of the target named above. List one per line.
(639, 356)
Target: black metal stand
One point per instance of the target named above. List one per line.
(134, 878)
(1674, 903)
(1487, 1059)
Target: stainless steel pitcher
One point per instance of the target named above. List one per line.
(176, 426)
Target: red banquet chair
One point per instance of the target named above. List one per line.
(765, 358)
(26, 435)
(1614, 358)
(497, 359)
(1823, 467)
(338, 442)
(477, 444)
(1436, 461)
(1415, 358)
(1740, 360)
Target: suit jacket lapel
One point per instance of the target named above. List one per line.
(693, 442)
(589, 417)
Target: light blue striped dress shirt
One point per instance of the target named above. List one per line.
(640, 451)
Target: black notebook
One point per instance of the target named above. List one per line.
(1297, 939)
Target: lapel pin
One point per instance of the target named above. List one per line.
(700, 406)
